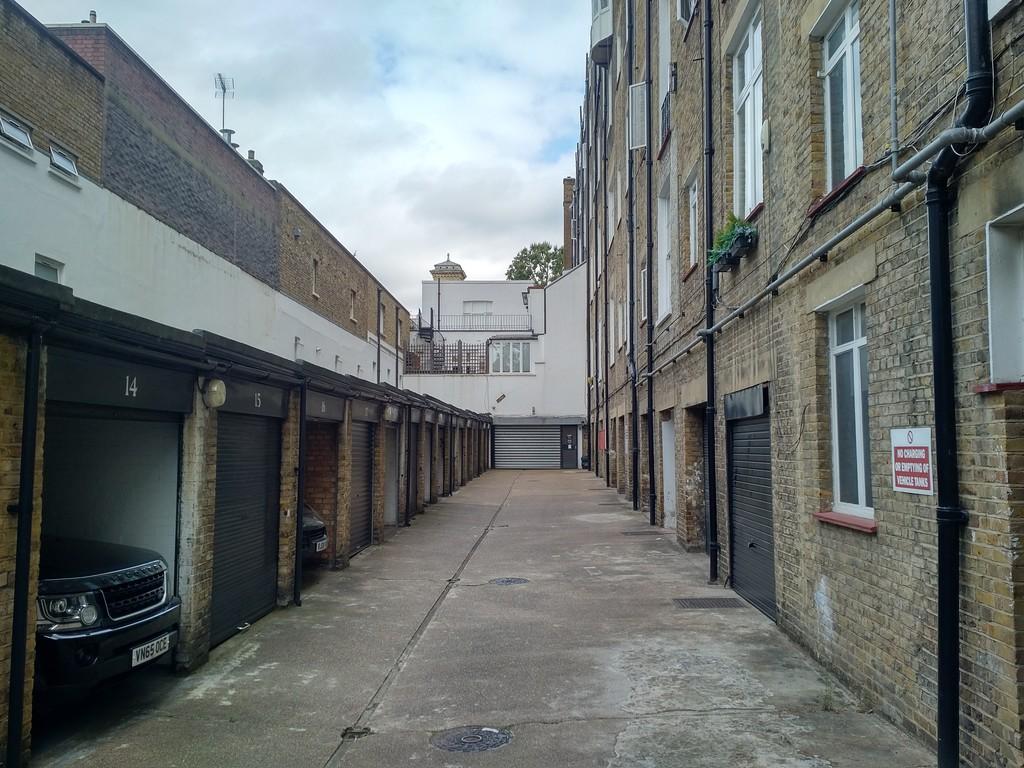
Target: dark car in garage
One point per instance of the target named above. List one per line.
(314, 533)
(103, 609)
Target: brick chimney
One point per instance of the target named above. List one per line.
(568, 191)
(251, 160)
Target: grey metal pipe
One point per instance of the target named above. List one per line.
(894, 140)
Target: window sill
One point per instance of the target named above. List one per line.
(23, 152)
(690, 271)
(754, 213)
(71, 181)
(663, 320)
(838, 191)
(853, 522)
(993, 387)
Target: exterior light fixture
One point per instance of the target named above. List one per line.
(215, 393)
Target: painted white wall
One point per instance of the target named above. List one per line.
(119, 256)
(557, 384)
(506, 295)
(668, 471)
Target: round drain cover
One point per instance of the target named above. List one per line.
(506, 581)
(471, 738)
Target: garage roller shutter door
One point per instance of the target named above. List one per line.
(361, 523)
(750, 495)
(245, 536)
(527, 447)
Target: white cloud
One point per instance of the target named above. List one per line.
(410, 129)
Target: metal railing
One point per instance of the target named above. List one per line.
(441, 358)
(666, 118)
(485, 323)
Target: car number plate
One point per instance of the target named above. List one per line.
(143, 653)
(321, 545)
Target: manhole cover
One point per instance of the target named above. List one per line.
(507, 581)
(698, 603)
(471, 738)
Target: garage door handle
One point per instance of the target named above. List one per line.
(243, 627)
(752, 545)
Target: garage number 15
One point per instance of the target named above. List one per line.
(131, 386)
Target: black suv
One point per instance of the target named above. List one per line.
(103, 609)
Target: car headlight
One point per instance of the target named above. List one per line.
(65, 612)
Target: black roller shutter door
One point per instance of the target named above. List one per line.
(750, 506)
(522, 446)
(361, 523)
(411, 475)
(245, 536)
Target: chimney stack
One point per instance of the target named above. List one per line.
(254, 162)
(92, 17)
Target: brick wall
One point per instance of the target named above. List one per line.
(12, 393)
(197, 505)
(289, 502)
(343, 530)
(159, 155)
(33, 65)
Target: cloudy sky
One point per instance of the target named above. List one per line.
(410, 129)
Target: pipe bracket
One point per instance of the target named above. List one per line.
(950, 515)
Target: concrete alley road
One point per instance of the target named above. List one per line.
(590, 663)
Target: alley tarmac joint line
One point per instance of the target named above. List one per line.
(359, 728)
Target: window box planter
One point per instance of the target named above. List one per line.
(731, 244)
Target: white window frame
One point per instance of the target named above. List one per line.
(63, 161)
(693, 207)
(861, 508)
(476, 304)
(847, 57)
(638, 115)
(643, 294)
(664, 268)
(10, 127)
(685, 9)
(316, 269)
(508, 344)
(352, 304)
(748, 98)
(56, 266)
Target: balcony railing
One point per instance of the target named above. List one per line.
(441, 358)
(485, 323)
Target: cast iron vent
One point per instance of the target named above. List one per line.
(645, 532)
(704, 603)
(471, 738)
(507, 581)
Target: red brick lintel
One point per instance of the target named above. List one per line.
(1005, 386)
(854, 522)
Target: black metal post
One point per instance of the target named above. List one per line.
(652, 496)
(301, 482)
(23, 551)
(711, 485)
(634, 418)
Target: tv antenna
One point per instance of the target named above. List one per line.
(225, 90)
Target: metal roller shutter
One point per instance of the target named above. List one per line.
(412, 471)
(245, 536)
(361, 522)
(750, 506)
(527, 446)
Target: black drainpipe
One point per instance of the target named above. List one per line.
(606, 280)
(711, 484)
(652, 495)
(594, 250)
(949, 515)
(23, 549)
(585, 259)
(634, 419)
(297, 585)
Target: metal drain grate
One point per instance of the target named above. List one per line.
(507, 581)
(471, 738)
(645, 532)
(703, 603)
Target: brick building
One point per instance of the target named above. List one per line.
(820, 126)
(203, 356)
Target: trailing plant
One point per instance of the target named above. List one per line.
(735, 229)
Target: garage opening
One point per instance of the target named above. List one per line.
(413, 483)
(391, 476)
(320, 523)
(108, 549)
(529, 446)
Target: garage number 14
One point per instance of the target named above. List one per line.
(131, 386)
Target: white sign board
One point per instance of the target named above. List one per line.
(912, 460)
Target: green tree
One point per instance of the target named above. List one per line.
(540, 262)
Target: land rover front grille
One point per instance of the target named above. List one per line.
(135, 595)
